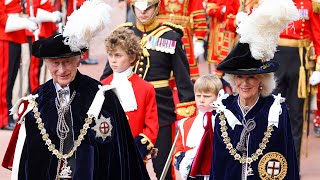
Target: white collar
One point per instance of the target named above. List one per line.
(124, 90)
(58, 87)
(126, 73)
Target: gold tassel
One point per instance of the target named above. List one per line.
(302, 87)
(302, 83)
(315, 6)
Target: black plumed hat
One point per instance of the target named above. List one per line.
(55, 46)
(240, 61)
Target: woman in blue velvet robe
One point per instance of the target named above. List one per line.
(252, 134)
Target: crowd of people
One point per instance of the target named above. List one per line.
(243, 120)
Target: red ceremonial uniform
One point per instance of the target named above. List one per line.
(292, 80)
(144, 120)
(46, 30)
(13, 7)
(182, 137)
(191, 16)
(10, 46)
(222, 35)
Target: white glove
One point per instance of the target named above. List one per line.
(46, 16)
(198, 48)
(315, 78)
(15, 23)
(185, 164)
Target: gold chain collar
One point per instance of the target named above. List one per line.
(47, 140)
(233, 151)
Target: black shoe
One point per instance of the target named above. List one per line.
(316, 131)
(89, 61)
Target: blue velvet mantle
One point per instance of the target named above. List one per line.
(224, 167)
(113, 158)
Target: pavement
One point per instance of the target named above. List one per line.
(310, 170)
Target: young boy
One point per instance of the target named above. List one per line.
(136, 96)
(192, 130)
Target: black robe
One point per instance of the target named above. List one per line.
(224, 167)
(116, 157)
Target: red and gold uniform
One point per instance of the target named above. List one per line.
(46, 30)
(144, 120)
(294, 41)
(222, 35)
(10, 46)
(191, 16)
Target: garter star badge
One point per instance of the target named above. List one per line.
(103, 127)
(273, 165)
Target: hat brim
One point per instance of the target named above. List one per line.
(267, 67)
(53, 47)
(240, 61)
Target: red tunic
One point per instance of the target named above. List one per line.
(46, 28)
(308, 27)
(191, 16)
(222, 35)
(12, 7)
(181, 141)
(145, 119)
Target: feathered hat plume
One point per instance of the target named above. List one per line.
(84, 23)
(262, 28)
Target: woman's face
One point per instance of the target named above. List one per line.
(247, 85)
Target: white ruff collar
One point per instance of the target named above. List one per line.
(124, 90)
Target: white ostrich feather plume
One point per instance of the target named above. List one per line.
(83, 24)
(262, 28)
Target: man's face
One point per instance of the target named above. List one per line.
(144, 15)
(63, 70)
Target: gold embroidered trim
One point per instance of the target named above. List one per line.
(160, 83)
(126, 24)
(145, 139)
(316, 6)
(173, 25)
(149, 27)
(186, 111)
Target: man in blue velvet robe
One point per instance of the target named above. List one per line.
(101, 149)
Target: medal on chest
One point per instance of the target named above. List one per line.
(304, 14)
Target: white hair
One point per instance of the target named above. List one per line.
(268, 83)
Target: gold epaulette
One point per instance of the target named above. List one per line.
(187, 109)
(126, 24)
(175, 27)
(316, 6)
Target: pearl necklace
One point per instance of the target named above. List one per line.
(233, 151)
(47, 140)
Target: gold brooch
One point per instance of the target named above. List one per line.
(273, 165)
